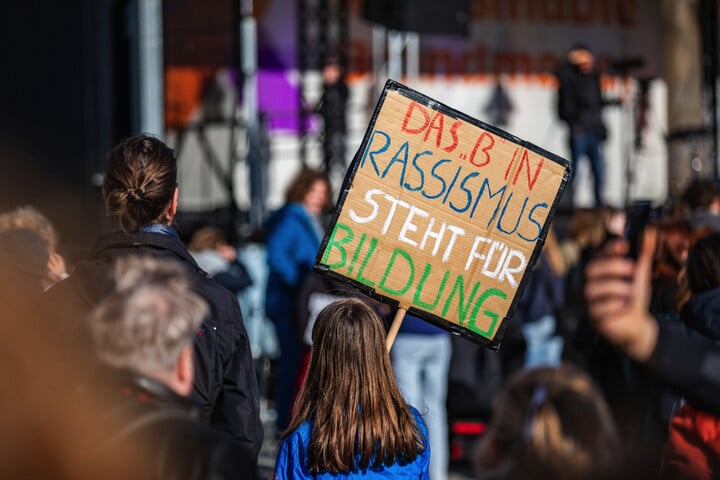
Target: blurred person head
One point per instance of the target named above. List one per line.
(351, 395)
(23, 260)
(684, 294)
(148, 324)
(702, 194)
(206, 238)
(332, 70)
(50, 429)
(587, 229)
(211, 238)
(589, 226)
(581, 57)
(703, 264)
(673, 241)
(548, 422)
(312, 189)
(140, 186)
(29, 218)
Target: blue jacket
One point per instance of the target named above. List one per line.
(418, 326)
(291, 460)
(292, 243)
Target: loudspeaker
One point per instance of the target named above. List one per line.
(421, 16)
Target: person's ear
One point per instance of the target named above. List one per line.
(172, 208)
(184, 371)
(715, 206)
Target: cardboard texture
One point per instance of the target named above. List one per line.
(442, 214)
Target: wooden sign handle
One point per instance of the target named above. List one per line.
(397, 321)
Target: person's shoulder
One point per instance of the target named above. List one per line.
(301, 433)
(419, 419)
(705, 219)
(288, 209)
(288, 213)
(225, 316)
(86, 285)
(294, 444)
(292, 455)
(565, 71)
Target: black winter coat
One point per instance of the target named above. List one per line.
(580, 100)
(161, 432)
(225, 386)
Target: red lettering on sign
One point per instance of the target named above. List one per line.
(525, 165)
(512, 160)
(453, 132)
(437, 123)
(408, 115)
(484, 138)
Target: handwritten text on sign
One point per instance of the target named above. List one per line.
(442, 215)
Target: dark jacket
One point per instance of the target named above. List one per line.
(693, 446)
(580, 100)
(688, 363)
(225, 386)
(702, 314)
(162, 430)
(687, 357)
(332, 106)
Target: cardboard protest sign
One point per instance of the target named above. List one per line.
(442, 214)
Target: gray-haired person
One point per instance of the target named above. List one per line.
(144, 333)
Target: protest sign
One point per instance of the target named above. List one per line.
(442, 214)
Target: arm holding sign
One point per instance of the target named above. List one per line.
(617, 292)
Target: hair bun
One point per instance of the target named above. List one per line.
(136, 194)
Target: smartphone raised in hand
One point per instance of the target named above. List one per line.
(637, 215)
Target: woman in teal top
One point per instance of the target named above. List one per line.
(350, 420)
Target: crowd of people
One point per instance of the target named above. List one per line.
(135, 361)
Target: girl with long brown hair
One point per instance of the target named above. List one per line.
(350, 419)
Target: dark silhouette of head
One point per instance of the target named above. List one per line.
(140, 183)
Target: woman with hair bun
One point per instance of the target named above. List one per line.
(141, 197)
(140, 187)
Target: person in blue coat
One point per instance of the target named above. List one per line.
(350, 419)
(293, 235)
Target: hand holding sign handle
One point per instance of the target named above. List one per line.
(397, 321)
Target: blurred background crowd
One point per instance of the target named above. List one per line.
(253, 111)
